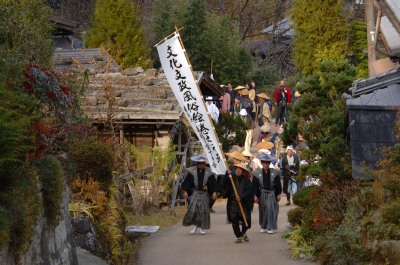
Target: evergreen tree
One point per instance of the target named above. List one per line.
(320, 118)
(358, 44)
(25, 32)
(231, 62)
(165, 16)
(116, 26)
(207, 38)
(193, 34)
(321, 32)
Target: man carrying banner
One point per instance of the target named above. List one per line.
(199, 179)
(267, 190)
(244, 195)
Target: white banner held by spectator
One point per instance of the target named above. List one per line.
(180, 77)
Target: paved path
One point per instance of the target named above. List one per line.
(177, 246)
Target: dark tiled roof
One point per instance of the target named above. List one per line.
(368, 85)
(387, 97)
(282, 28)
(82, 59)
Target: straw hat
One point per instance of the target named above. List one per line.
(247, 153)
(262, 95)
(244, 92)
(242, 166)
(239, 88)
(237, 155)
(265, 145)
(297, 94)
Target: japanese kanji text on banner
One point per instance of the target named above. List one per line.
(180, 78)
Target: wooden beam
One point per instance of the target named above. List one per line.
(370, 19)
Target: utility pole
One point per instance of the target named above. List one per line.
(370, 21)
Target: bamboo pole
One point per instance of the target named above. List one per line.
(169, 36)
(219, 144)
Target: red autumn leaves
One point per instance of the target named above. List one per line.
(43, 82)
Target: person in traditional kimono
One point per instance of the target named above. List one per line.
(264, 117)
(198, 182)
(267, 190)
(245, 197)
(249, 131)
(290, 168)
(212, 109)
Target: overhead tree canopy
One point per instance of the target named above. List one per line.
(116, 26)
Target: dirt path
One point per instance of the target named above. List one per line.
(178, 246)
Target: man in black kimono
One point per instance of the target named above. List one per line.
(245, 197)
(198, 181)
(267, 190)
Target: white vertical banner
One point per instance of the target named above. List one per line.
(180, 77)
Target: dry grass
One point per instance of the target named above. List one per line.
(165, 218)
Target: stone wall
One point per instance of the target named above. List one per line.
(49, 245)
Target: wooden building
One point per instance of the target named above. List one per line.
(373, 113)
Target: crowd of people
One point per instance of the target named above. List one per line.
(252, 178)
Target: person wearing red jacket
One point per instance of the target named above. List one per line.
(282, 97)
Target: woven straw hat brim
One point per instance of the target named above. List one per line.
(242, 166)
(244, 92)
(262, 95)
(265, 145)
(239, 88)
(237, 155)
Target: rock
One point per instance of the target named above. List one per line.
(86, 258)
(130, 72)
(68, 60)
(161, 70)
(160, 93)
(82, 225)
(88, 242)
(139, 69)
(395, 251)
(151, 72)
(148, 82)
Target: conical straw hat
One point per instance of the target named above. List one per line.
(265, 145)
(242, 166)
(237, 155)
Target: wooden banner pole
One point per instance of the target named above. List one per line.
(219, 144)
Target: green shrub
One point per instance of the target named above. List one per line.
(51, 178)
(303, 196)
(295, 216)
(392, 185)
(92, 159)
(391, 213)
(23, 205)
(4, 226)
